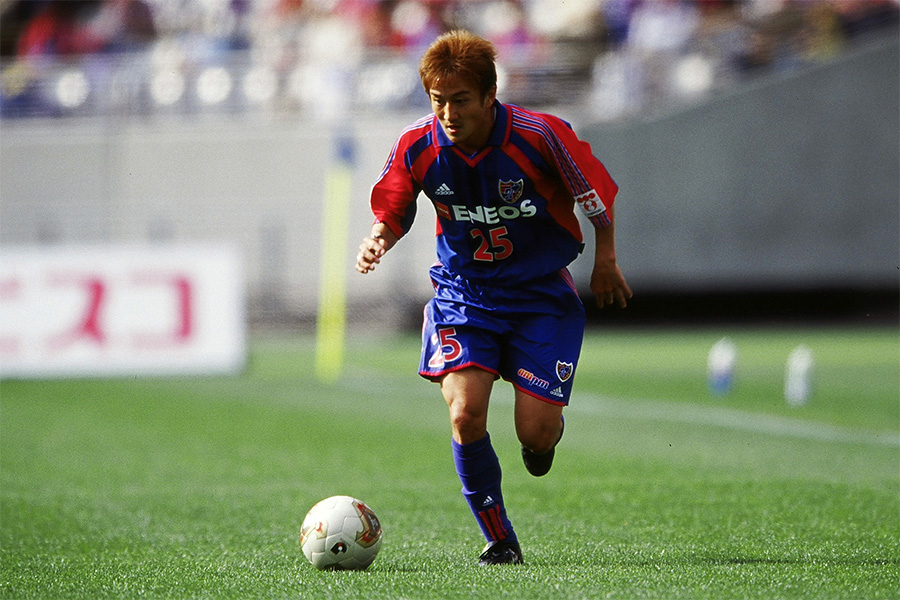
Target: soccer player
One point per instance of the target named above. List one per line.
(504, 182)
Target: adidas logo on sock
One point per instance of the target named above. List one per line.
(487, 501)
(443, 190)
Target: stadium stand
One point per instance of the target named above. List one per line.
(615, 59)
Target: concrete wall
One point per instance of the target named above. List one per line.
(258, 185)
(790, 183)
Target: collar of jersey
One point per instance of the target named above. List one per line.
(499, 134)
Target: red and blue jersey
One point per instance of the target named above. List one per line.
(505, 214)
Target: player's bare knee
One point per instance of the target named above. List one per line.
(468, 425)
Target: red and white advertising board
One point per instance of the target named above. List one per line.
(121, 310)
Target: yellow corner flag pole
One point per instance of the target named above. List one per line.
(331, 318)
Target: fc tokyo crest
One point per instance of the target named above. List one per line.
(510, 191)
(564, 370)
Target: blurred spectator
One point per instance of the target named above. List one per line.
(631, 56)
(659, 34)
(784, 29)
(565, 21)
(617, 15)
(78, 27)
(125, 25)
(824, 37)
(61, 28)
(662, 27)
(757, 54)
(722, 36)
(520, 47)
(415, 23)
(13, 17)
(862, 17)
(504, 22)
(376, 24)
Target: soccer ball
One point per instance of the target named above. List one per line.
(340, 533)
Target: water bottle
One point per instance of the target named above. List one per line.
(720, 366)
(798, 376)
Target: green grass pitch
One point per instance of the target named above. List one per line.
(195, 487)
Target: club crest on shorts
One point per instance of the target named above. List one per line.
(564, 370)
(511, 191)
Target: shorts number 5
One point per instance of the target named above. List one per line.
(450, 346)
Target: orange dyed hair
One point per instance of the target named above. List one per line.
(460, 54)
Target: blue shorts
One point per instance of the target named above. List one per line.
(531, 336)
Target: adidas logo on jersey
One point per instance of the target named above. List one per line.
(556, 392)
(443, 190)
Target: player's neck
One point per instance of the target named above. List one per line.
(475, 146)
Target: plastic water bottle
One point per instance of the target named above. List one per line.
(720, 366)
(798, 376)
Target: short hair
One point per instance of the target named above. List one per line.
(460, 54)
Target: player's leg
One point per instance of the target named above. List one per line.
(539, 426)
(538, 423)
(461, 349)
(467, 393)
(540, 361)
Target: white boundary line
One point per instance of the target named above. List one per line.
(727, 418)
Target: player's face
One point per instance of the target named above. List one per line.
(465, 115)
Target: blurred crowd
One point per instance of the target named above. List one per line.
(618, 57)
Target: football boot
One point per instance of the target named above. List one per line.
(501, 552)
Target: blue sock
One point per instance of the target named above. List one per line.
(479, 471)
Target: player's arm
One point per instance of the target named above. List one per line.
(380, 240)
(393, 204)
(607, 282)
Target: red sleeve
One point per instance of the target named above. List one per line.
(583, 174)
(394, 194)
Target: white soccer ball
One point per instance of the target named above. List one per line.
(340, 533)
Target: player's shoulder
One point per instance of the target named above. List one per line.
(525, 116)
(419, 128)
(535, 123)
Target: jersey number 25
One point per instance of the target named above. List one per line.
(493, 245)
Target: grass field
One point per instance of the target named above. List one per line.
(195, 487)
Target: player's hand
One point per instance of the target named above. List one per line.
(380, 240)
(370, 252)
(609, 285)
